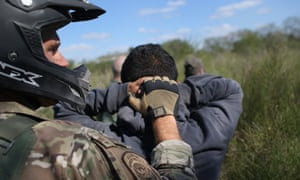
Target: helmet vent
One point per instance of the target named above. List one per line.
(33, 40)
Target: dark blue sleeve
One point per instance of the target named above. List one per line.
(209, 116)
(108, 100)
(223, 97)
(98, 100)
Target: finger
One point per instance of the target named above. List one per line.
(147, 78)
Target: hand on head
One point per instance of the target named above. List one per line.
(155, 96)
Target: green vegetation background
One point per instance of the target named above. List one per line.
(266, 62)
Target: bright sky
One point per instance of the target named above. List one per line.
(128, 23)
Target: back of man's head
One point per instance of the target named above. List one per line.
(117, 67)
(148, 60)
(193, 66)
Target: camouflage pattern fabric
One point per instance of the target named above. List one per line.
(176, 156)
(75, 152)
(65, 150)
(172, 152)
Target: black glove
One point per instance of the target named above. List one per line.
(159, 97)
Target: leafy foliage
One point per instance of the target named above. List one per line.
(178, 48)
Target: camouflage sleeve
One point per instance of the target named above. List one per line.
(63, 151)
(174, 160)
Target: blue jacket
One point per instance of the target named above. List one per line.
(209, 109)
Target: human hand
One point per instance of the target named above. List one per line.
(156, 96)
(134, 88)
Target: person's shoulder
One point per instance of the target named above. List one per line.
(66, 150)
(69, 132)
(13, 107)
(63, 137)
(201, 79)
(208, 79)
(55, 128)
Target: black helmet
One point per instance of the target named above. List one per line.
(23, 65)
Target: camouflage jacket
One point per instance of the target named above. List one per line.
(62, 150)
(36, 148)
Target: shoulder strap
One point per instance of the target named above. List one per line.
(16, 141)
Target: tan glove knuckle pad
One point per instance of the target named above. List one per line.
(162, 99)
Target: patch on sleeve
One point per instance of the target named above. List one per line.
(139, 167)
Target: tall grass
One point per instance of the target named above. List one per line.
(101, 73)
(266, 144)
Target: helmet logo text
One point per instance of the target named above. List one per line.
(27, 3)
(18, 74)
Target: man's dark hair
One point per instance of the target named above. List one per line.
(148, 60)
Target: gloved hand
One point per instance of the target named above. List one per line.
(158, 97)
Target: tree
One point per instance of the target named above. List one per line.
(291, 26)
(249, 42)
(178, 48)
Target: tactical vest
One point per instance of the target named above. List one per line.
(17, 139)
